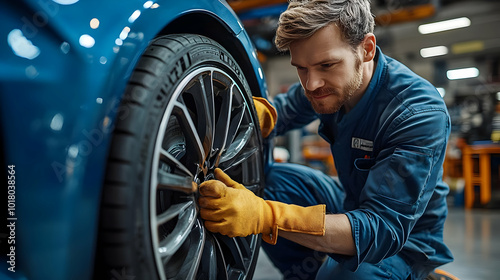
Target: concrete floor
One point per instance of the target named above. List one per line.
(472, 235)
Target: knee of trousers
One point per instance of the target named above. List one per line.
(302, 185)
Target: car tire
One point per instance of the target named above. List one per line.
(187, 110)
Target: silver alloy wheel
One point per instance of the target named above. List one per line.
(207, 124)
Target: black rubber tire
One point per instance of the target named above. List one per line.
(125, 247)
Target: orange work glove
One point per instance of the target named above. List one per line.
(231, 209)
(267, 115)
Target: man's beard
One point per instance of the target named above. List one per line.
(322, 107)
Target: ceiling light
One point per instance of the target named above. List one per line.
(463, 73)
(433, 51)
(444, 25)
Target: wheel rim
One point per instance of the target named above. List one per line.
(206, 124)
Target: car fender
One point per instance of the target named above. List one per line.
(58, 110)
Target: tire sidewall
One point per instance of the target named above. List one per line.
(201, 52)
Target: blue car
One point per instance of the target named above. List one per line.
(111, 113)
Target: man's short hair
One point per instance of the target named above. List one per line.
(304, 17)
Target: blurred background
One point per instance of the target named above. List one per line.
(455, 44)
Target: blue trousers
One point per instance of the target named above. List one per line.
(301, 185)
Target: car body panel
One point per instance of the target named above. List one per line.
(59, 94)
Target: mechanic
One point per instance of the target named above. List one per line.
(388, 130)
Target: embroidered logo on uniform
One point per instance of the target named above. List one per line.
(362, 144)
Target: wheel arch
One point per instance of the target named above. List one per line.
(215, 28)
(236, 44)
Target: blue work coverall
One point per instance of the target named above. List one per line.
(388, 151)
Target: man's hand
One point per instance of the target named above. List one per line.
(267, 115)
(230, 209)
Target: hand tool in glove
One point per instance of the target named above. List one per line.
(231, 209)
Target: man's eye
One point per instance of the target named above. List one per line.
(327, 65)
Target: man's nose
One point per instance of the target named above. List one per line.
(314, 81)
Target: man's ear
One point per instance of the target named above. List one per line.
(369, 45)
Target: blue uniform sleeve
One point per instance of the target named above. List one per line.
(294, 110)
(399, 184)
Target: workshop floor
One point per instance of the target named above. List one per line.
(472, 235)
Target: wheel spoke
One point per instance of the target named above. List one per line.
(244, 246)
(197, 241)
(176, 182)
(210, 257)
(200, 96)
(174, 211)
(236, 117)
(185, 262)
(210, 260)
(222, 126)
(208, 94)
(172, 161)
(232, 126)
(237, 146)
(234, 247)
(190, 131)
(170, 244)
